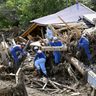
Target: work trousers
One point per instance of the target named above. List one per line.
(40, 65)
(57, 57)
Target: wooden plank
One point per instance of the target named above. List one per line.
(64, 23)
(52, 48)
(29, 30)
(78, 65)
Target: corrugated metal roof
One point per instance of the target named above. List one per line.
(70, 14)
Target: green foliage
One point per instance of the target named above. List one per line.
(23, 11)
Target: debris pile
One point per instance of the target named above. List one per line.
(54, 58)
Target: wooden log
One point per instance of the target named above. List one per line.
(53, 48)
(77, 64)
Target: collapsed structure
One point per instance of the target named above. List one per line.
(68, 25)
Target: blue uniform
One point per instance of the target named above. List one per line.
(84, 43)
(14, 50)
(40, 60)
(56, 54)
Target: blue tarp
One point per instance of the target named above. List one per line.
(70, 14)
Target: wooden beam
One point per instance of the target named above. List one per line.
(29, 30)
(52, 48)
(76, 63)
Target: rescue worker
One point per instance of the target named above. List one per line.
(39, 61)
(49, 33)
(56, 54)
(17, 54)
(84, 43)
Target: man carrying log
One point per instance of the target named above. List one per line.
(56, 54)
(39, 62)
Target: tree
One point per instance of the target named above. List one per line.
(22, 11)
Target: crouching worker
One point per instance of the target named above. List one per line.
(39, 62)
(18, 55)
(84, 44)
(56, 54)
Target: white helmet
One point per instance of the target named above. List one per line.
(55, 38)
(39, 51)
(36, 48)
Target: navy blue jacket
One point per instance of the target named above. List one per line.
(39, 55)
